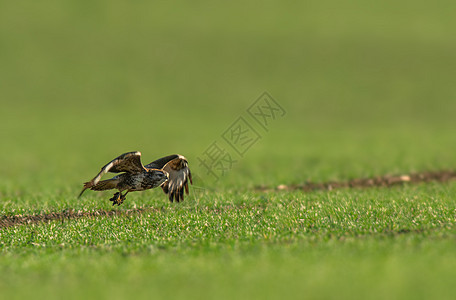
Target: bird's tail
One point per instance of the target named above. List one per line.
(87, 185)
(105, 185)
(100, 186)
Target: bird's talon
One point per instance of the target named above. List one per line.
(118, 199)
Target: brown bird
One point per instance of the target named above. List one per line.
(170, 172)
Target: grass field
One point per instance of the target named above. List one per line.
(367, 89)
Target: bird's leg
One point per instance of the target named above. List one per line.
(115, 198)
(123, 197)
(118, 198)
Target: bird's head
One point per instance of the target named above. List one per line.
(160, 176)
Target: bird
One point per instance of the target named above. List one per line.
(171, 173)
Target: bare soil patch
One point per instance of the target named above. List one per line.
(8, 221)
(379, 181)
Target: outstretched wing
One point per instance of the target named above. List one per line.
(161, 162)
(179, 175)
(129, 162)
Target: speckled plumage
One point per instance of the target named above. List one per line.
(170, 172)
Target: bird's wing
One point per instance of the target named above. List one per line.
(179, 175)
(161, 162)
(129, 162)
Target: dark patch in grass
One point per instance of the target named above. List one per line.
(71, 214)
(379, 181)
(8, 221)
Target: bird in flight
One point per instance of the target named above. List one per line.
(170, 172)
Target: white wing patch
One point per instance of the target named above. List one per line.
(127, 162)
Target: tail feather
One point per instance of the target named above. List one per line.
(87, 185)
(100, 186)
(105, 185)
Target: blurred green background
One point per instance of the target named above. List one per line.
(368, 86)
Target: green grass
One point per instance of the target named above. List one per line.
(368, 89)
(362, 243)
